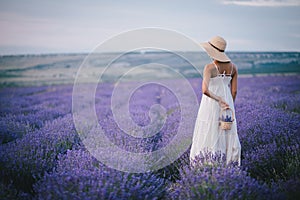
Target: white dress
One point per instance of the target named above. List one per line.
(208, 136)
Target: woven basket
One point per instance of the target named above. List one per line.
(226, 125)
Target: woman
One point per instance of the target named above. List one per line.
(219, 88)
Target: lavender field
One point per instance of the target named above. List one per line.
(43, 157)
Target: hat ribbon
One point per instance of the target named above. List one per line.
(215, 47)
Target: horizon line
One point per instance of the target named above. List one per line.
(142, 52)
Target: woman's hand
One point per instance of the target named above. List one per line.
(223, 104)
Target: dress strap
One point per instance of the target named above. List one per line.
(224, 71)
(217, 68)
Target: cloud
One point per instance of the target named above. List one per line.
(263, 3)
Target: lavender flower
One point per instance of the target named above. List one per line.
(209, 178)
(78, 175)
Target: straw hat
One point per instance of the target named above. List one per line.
(215, 48)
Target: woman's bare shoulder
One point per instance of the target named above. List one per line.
(209, 66)
(234, 66)
(235, 69)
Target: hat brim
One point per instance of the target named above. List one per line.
(214, 53)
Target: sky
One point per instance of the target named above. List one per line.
(71, 26)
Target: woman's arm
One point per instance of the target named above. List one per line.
(234, 83)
